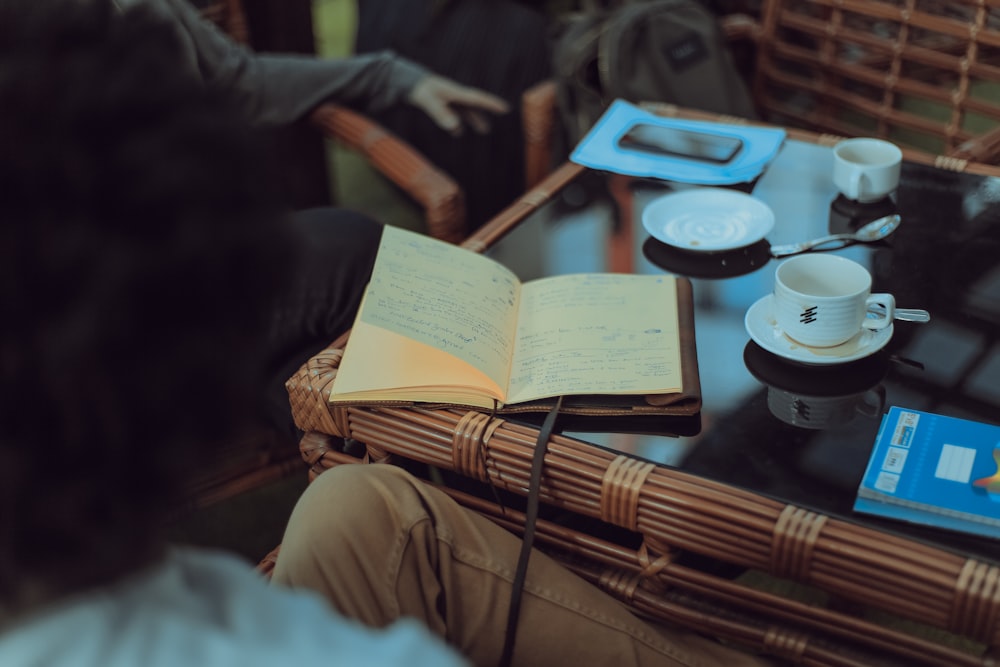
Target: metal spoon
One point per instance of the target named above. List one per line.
(904, 314)
(873, 231)
(912, 315)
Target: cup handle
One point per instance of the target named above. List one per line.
(882, 317)
(872, 402)
(854, 186)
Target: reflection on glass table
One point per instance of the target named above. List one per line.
(753, 430)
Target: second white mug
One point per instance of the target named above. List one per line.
(866, 170)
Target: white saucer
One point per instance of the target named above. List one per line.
(708, 219)
(764, 331)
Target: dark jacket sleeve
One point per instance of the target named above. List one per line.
(274, 88)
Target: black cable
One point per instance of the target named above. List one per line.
(530, 516)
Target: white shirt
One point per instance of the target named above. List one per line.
(207, 608)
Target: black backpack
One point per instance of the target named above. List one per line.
(644, 51)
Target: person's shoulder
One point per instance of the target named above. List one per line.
(299, 623)
(205, 607)
(406, 642)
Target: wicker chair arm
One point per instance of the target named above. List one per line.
(265, 567)
(985, 148)
(439, 195)
(740, 27)
(539, 117)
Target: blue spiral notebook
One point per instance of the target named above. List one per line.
(934, 470)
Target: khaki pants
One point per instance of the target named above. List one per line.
(380, 544)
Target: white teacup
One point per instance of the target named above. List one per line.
(866, 170)
(824, 300)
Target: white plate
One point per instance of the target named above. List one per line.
(708, 219)
(764, 331)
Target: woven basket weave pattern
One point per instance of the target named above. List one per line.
(923, 73)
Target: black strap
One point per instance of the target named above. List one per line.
(530, 516)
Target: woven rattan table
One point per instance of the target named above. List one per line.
(744, 527)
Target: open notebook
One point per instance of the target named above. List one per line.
(442, 325)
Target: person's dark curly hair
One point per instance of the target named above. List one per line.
(140, 253)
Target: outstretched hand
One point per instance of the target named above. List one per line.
(452, 105)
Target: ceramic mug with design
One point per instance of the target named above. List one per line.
(824, 300)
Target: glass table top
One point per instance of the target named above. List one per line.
(803, 434)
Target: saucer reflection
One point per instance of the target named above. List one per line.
(724, 264)
(819, 397)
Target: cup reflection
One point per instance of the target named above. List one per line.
(819, 397)
(820, 412)
(847, 216)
